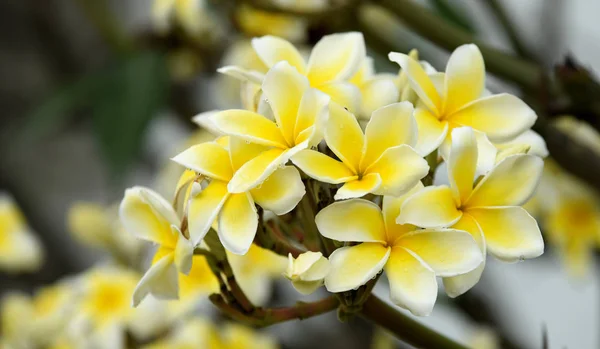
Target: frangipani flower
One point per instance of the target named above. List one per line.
(307, 271)
(377, 90)
(146, 215)
(529, 142)
(104, 308)
(304, 5)
(458, 98)
(411, 258)
(193, 333)
(255, 271)
(235, 211)
(380, 161)
(20, 250)
(333, 60)
(237, 336)
(406, 93)
(490, 212)
(299, 112)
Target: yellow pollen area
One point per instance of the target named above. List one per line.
(109, 298)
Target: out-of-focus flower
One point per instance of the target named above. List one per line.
(99, 226)
(15, 321)
(237, 336)
(380, 161)
(457, 98)
(255, 271)
(20, 250)
(148, 216)
(490, 212)
(303, 5)
(579, 131)
(411, 257)
(230, 202)
(255, 22)
(191, 15)
(193, 333)
(307, 271)
(334, 60)
(104, 308)
(484, 338)
(377, 90)
(382, 339)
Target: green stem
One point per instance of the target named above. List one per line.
(405, 328)
(311, 232)
(269, 237)
(443, 33)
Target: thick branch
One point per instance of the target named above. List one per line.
(443, 33)
(405, 328)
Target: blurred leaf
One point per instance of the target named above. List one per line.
(122, 99)
(449, 12)
(130, 96)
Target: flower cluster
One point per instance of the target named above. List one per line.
(432, 181)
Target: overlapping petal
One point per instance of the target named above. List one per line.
(352, 220)
(511, 182)
(357, 188)
(238, 222)
(352, 267)
(343, 93)
(431, 207)
(412, 284)
(336, 57)
(313, 111)
(431, 131)
(344, 136)
(376, 93)
(272, 49)
(400, 169)
(281, 191)
(255, 171)
(511, 233)
(204, 208)
(462, 163)
(160, 281)
(207, 159)
(249, 126)
(323, 168)
(465, 77)
(391, 210)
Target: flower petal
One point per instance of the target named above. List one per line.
(511, 234)
(242, 74)
(462, 163)
(336, 57)
(391, 211)
(272, 50)
(432, 207)
(352, 267)
(283, 88)
(459, 284)
(344, 136)
(249, 126)
(323, 168)
(160, 281)
(281, 191)
(501, 117)
(448, 252)
(431, 131)
(255, 171)
(400, 168)
(352, 220)
(204, 208)
(238, 222)
(314, 109)
(376, 93)
(510, 183)
(184, 251)
(306, 287)
(412, 284)
(208, 159)
(343, 93)
(359, 187)
(465, 77)
(390, 126)
(204, 120)
(419, 81)
(537, 145)
(240, 152)
(148, 216)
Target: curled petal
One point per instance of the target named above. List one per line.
(352, 267)
(255, 171)
(323, 168)
(281, 191)
(352, 220)
(160, 281)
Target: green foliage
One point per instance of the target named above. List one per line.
(121, 99)
(453, 15)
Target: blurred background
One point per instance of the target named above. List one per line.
(97, 95)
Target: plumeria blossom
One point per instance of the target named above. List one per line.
(299, 113)
(333, 60)
(20, 250)
(255, 272)
(377, 90)
(490, 211)
(255, 22)
(190, 14)
(406, 93)
(380, 161)
(458, 98)
(529, 142)
(235, 210)
(307, 271)
(411, 257)
(146, 215)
